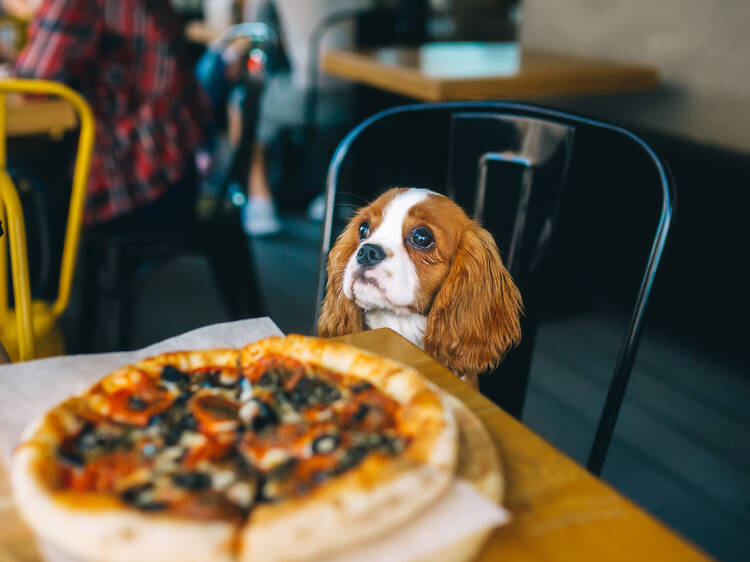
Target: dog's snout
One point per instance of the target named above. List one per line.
(370, 255)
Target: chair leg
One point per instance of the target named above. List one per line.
(118, 304)
(228, 253)
(125, 315)
(89, 317)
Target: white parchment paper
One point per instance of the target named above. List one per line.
(28, 390)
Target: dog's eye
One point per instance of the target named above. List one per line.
(421, 238)
(364, 230)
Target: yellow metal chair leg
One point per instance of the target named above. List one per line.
(37, 323)
(19, 269)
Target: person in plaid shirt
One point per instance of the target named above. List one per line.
(127, 59)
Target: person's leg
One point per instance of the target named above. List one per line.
(259, 216)
(258, 185)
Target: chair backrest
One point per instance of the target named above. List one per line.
(508, 162)
(16, 231)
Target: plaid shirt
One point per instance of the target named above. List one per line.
(126, 58)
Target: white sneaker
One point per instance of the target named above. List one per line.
(259, 217)
(317, 208)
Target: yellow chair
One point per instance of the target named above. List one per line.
(31, 329)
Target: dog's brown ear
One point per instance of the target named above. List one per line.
(339, 314)
(474, 319)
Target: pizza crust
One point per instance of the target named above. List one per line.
(373, 498)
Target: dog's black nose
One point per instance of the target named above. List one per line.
(370, 254)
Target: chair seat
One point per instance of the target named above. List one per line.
(115, 262)
(48, 339)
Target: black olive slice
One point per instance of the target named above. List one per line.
(136, 403)
(361, 413)
(188, 421)
(132, 495)
(72, 456)
(192, 480)
(172, 436)
(351, 458)
(174, 375)
(265, 417)
(326, 393)
(361, 386)
(271, 380)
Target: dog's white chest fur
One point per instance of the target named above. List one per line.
(410, 325)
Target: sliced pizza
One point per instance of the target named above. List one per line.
(290, 449)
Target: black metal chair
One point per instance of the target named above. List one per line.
(115, 261)
(514, 165)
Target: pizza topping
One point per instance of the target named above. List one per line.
(242, 494)
(136, 403)
(245, 390)
(360, 386)
(221, 379)
(215, 413)
(192, 480)
(325, 443)
(259, 415)
(71, 456)
(216, 441)
(137, 494)
(173, 375)
(222, 479)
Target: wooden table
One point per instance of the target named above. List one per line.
(560, 512)
(36, 116)
(440, 73)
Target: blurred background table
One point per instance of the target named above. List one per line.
(434, 73)
(34, 116)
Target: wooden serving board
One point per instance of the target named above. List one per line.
(478, 464)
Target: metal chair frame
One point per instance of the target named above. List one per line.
(629, 345)
(17, 232)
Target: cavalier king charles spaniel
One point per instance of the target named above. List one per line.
(414, 262)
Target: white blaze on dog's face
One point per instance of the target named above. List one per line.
(380, 274)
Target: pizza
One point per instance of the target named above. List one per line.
(291, 448)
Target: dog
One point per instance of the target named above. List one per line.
(413, 261)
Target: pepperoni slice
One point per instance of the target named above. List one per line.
(136, 408)
(104, 474)
(215, 413)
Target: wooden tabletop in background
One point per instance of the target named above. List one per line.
(35, 116)
(560, 511)
(442, 77)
